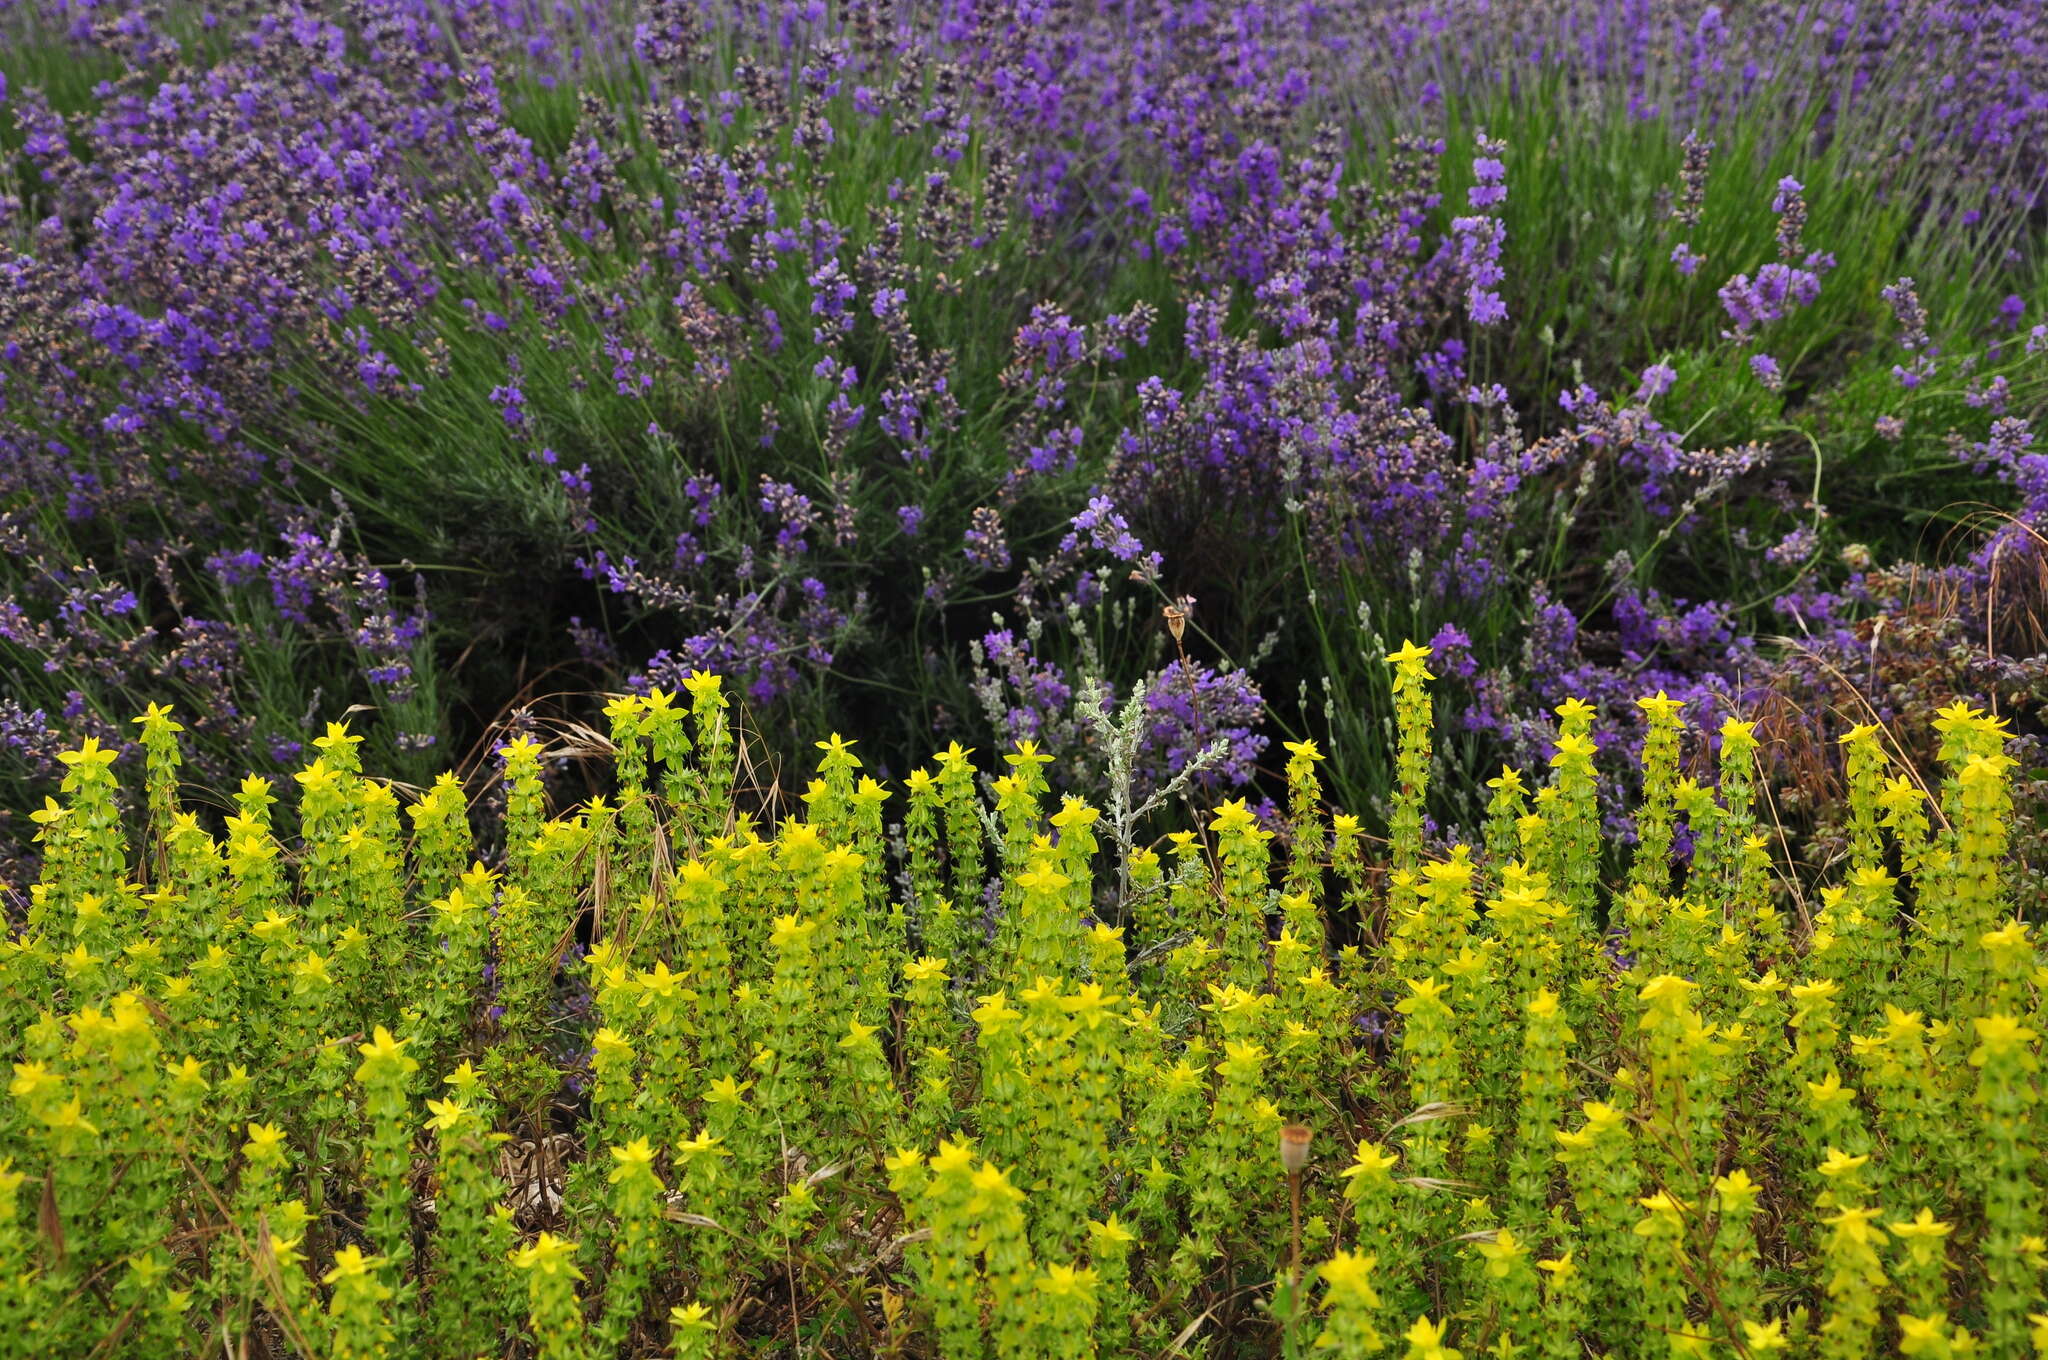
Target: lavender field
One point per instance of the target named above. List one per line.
(417, 409)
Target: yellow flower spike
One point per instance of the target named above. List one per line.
(1347, 1276)
(1371, 1161)
(465, 1080)
(1234, 818)
(1660, 706)
(1411, 653)
(1042, 878)
(995, 1009)
(1765, 1338)
(1923, 1227)
(1426, 1340)
(634, 1159)
(90, 756)
(1736, 1190)
(190, 1072)
(992, 1188)
(1075, 812)
(727, 1091)
(31, 1079)
(1501, 1253)
(703, 1145)
(1303, 750)
(311, 967)
(337, 738)
(790, 930)
(349, 1263)
(694, 1317)
(385, 1053)
(1667, 990)
(702, 685)
(952, 1157)
(1110, 1232)
(1026, 755)
(264, 1140)
(926, 969)
(838, 753)
(446, 1114)
(1839, 1163)
(69, 1116)
(157, 718)
(549, 1255)
(1422, 991)
(1856, 1225)
(1062, 1281)
(1997, 1034)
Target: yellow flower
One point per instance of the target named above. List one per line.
(70, 1115)
(838, 751)
(1411, 653)
(1924, 1226)
(702, 685)
(550, 1255)
(90, 755)
(447, 1114)
(32, 1078)
(1234, 818)
(1765, 1338)
(703, 1145)
(350, 1263)
(383, 1051)
(1303, 750)
(992, 1187)
(693, 1317)
(633, 1158)
(925, 969)
(264, 1139)
(1661, 707)
(190, 1072)
(1426, 1341)
(1840, 1163)
(1998, 1034)
(1856, 1225)
(1348, 1277)
(1666, 987)
(1027, 753)
(727, 1091)
(1110, 1231)
(1372, 1161)
(951, 1157)
(157, 717)
(1501, 1253)
(1736, 1190)
(1061, 1281)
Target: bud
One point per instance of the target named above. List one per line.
(1294, 1139)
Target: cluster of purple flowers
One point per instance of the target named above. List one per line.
(802, 331)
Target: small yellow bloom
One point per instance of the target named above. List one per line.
(550, 1255)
